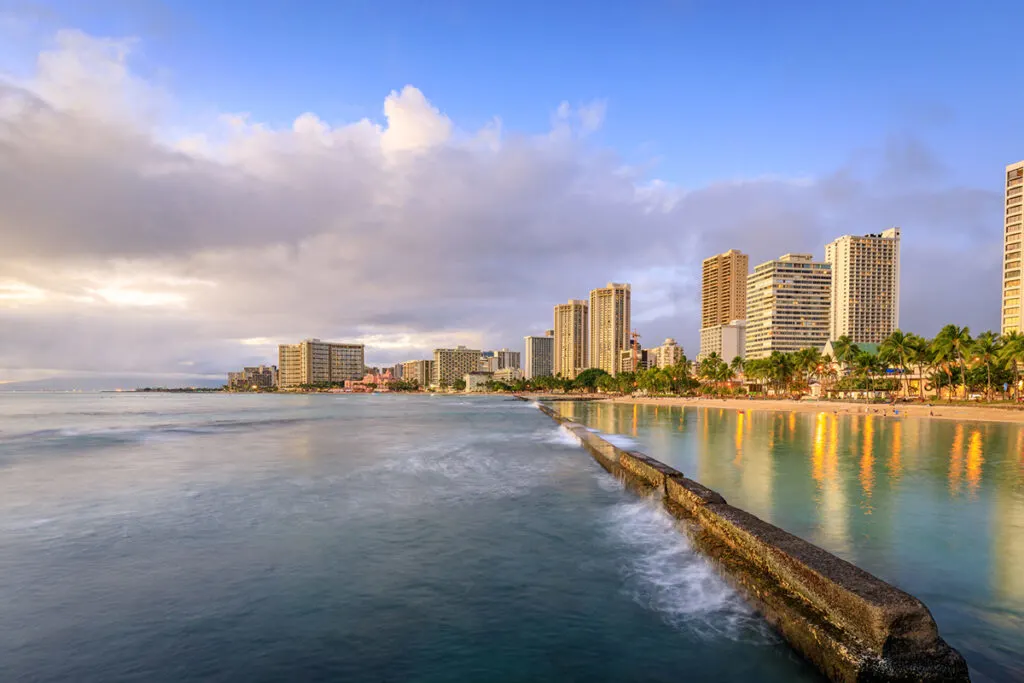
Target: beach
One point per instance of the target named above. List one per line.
(934, 411)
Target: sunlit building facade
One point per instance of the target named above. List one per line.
(609, 326)
(865, 286)
(452, 364)
(571, 334)
(318, 362)
(788, 302)
(1012, 311)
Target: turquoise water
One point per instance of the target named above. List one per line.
(343, 538)
(935, 507)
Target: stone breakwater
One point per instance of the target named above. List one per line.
(852, 625)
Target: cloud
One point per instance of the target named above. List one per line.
(125, 251)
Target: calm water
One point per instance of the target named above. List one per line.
(331, 538)
(933, 506)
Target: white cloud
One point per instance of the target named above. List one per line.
(126, 252)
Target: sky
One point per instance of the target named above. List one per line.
(184, 185)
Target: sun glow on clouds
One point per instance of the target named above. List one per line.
(405, 233)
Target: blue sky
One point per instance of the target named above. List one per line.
(193, 241)
(707, 90)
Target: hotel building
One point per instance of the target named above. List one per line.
(540, 355)
(453, 364)
(571, 331)
(318, 362)
(865, 286)
(788, 303)
(609, 326)
(728, 341)
(723, 297)
(668, 354)
(1012, 311)
(419, 371)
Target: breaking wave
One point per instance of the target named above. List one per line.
(664, 573)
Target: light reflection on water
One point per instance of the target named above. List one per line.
(933, 506)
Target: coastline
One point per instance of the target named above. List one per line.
(937, 411)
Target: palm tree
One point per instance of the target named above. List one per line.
(953, 342)
(920, 356)
(736, 365)
(866, 364)
(845, 350)
(898, 348)
(807, 361)
(780, 369)
(985, 351)
(1012, 355)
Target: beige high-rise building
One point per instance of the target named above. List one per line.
(788, 302)
(668, 354)
(453, 364)
(540, 355)
(1013, 311)
(572, 330)
(609, 326)
(419, 371)
(318, 362)
(724, 288)
(865, 286)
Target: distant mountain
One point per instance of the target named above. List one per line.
(112, 383)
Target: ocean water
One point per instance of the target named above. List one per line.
(168, 537)
(935, 507)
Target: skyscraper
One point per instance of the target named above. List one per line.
(788, 303)
(1013, 311)
(571, 332)
(540, 355)
(609, 326)
(317, 362)
(723, 298)
(865, 286)
(724, 289)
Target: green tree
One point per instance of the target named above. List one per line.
(898, 349)
(1012, 355)
(587, 380)
(985, 353)
(953, 343)
(459, 384)
(845, 351)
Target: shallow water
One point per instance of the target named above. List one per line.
(158, 537)
(933, 506)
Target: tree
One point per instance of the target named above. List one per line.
(807, 362)
(1012, 355)
(459, 384)
(587, 380)
(736, 365)
(898, 349)
(985, 352)
(845, 351)
(866, 364)
(953, 343)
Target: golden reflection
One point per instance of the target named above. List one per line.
(635, 408)
(739, 438)
(956, 460)
(818, 452)
(792, 422)
(867, 463)
(974, 461)
(895, 464)
(832, 458)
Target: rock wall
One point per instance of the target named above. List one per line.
(852, 625)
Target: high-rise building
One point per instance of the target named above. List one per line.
(724, 288)
(668, 354)
(865, 286)
(502, 359)
(255, 377)
(397, 371)
(728, 341)
(1013, 310)
(571, 334)
(723, 294)
(453, 364)
(788, 303)
(419, 371)
(318, 362)
(540, 355)
(609, 326)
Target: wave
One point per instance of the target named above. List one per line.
(560, 437)
(664, 573)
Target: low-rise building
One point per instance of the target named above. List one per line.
(253, 378)
(668, 354)
(646, 359)
(508, 375)
(476, 382)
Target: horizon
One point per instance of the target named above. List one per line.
(183, 188)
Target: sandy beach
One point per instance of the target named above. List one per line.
(934, 411)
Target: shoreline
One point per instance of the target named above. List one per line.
(936, 411)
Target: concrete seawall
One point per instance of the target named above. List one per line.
(852, 625)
